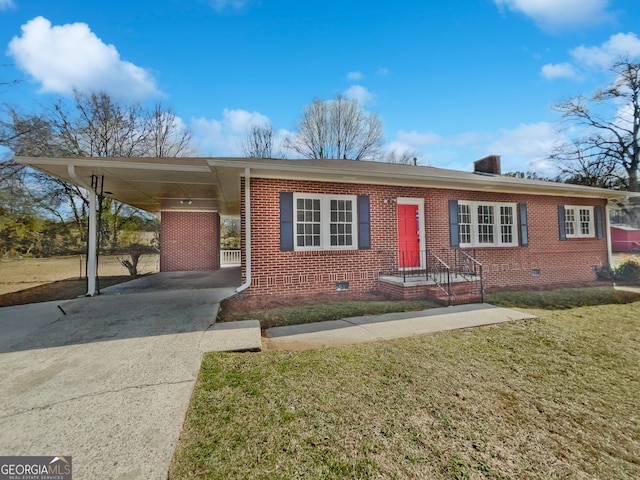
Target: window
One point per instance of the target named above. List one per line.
(325, 222)
(487, 224)
(506, 224)
(569, 221)
(578, 221)
(341, 226)
(308, 222)
(464, 214)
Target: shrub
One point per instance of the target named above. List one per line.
(628, 271)
(606, 273)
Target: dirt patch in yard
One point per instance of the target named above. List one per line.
(22, 273)
(59, 290)
(33, 280)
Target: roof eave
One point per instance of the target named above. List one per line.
(436, 178)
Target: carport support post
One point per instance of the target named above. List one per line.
(91, 244)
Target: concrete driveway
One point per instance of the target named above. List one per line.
(107, 379)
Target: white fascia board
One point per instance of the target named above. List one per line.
(103, 162)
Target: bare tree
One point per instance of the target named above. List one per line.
(166, 136)
(337, 129)
(582, 164)
(404, 157)
(92, 126)
(611, 119)
(258, 142)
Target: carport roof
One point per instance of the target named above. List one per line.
(213, 184)
(152, 184)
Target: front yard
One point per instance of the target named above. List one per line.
(555, 397)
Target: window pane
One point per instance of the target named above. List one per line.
(569, 221)
(485, 224)
(585, 221)
(341, 222)
(506, 224)
(308, 222)
(464, 216)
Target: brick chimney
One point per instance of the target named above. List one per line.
(489, 164)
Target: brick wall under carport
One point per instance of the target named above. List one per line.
(189, 241)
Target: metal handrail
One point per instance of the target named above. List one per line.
(438, 270)
(464, 270)
(430, 266)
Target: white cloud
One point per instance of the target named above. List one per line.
(456, 151)
(529, 143)
(224, 137)
(357, 75)
(228, 5)
(71, 56)
(383, 71)
(460, 140)
(620, 45)
(552, 71)
(6, 4)
(359, 94)
(552, 14)
(416, 139)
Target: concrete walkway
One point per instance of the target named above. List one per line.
(384, 327)
(109, 382)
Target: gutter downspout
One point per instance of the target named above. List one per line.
(91, 241)
(608, 227)
(247, 230)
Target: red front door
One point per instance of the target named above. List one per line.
(408, 236)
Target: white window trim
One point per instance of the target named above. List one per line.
(325, 221)
(576, 221)
(497, 231)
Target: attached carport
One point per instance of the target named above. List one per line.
(188, 194)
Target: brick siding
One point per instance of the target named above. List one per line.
(190, 241)
(286, 273)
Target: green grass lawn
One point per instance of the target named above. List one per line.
(555, 397)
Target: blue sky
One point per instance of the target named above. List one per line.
(452, 80)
